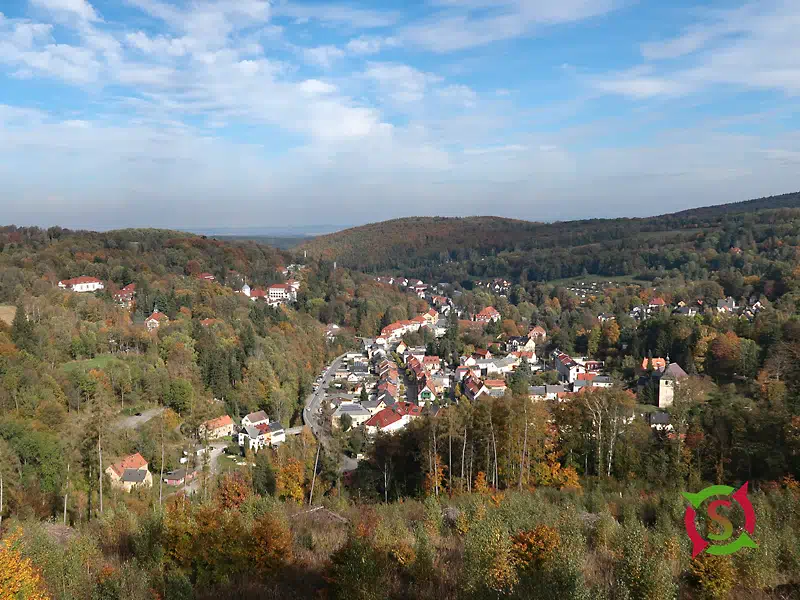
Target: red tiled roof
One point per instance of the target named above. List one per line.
(257, 293)
(586, 376)
(488, 312)
(658, 363)
(537, 331)
(81, 279)
(134, 461)
(218, 423)
(496, 383)
(157, 316)
(657, 302)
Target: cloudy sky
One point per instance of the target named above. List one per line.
(233, 113)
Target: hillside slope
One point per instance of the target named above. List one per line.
(461, 248)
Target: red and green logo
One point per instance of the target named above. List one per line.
(724, 525)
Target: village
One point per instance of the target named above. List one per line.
(387, 383)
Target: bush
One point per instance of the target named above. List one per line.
(713, 576)
(356, 571)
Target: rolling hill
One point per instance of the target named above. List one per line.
(451, 248)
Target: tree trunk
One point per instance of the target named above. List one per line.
(524, 447)
(100, 457)
(463, 457)
(66, 494)
(161, 476)
(314, 477)
(1, 497)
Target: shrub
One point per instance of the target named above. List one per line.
(713, 576)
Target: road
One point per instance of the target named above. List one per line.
(311, 414)
(215, 450)
(134, 421)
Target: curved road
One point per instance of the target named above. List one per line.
(311, 414)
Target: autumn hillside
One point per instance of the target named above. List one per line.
(454, 249)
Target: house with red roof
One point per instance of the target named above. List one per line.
(81, 284)
(393, 418)
(156, 320)
(538, 334)
(130, 472)
(125, 296)
(474, 388)
(214, 429)
(206, 277)
(488, 315)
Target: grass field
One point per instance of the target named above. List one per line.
(7, 313)
(98, 362)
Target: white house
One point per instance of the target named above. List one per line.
(254, 437)
(567, 368)
(278, 293)
(155, 320)
(358, 415)
(81, 284)
(255, 418)
(129, 473)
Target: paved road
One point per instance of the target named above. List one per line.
(215, 451)
(311, 414)
(134, 421)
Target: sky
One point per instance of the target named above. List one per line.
(282, 113)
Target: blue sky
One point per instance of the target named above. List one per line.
(242, 113)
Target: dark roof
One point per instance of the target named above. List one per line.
(537, 390)
(177, 474)
(658, 418)
(275, 427)
(674, 371)
(134, 475)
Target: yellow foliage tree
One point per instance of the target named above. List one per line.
(18, 577)
(290, 479)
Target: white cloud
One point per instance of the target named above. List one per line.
(371, 45)
(755, 46)
(323, 56)
(400, 83)
(477, 22)
(74, 8)
(508, 148)
(337, 14)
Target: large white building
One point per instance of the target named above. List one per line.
(81, 284)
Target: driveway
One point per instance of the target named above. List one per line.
(134, 421)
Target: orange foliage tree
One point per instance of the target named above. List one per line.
(290, 479)
(271, 544)
(18, 577)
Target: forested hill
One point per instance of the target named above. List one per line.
(454, 249)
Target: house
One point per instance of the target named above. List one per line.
(432, 364)
(474, 388)
(658, 364)
(504, 365)
(255, 418)
(177, 477)
(659, 421)
(358, 415)
(538, 334)
(331, 331)
(568, 369)
(125, 296)
(206, 277)
(215, 429)
(656, 303)
(546, 392)
(377, 405)
(278, 293)
(638, 313)
(426, 392)
(495, 387)
(393, 418)
(132, 471)
(254, 437)
(685, 311)
(603, 381)
(480, 354)
(488, 315)
(605, 317)
(81, 284)
(525, 343)
(257, 294)
(727, 305)
(155, 320)
(277, 434)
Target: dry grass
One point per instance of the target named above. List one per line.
(7, 313)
